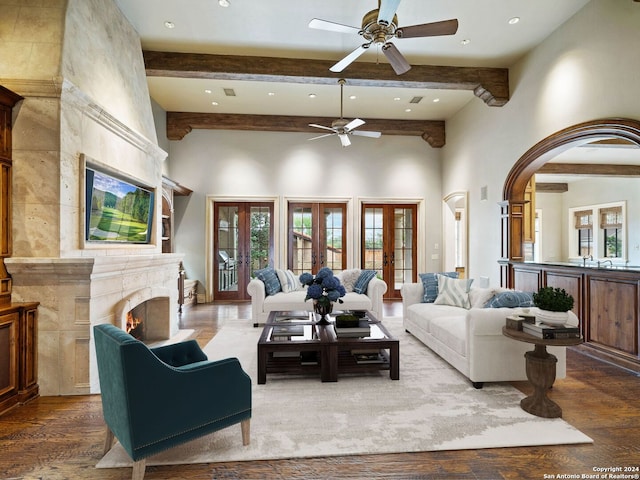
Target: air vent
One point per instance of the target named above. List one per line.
(416, 100)
(229, 92)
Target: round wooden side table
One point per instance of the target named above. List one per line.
(541, 371)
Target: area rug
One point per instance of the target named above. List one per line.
(432, 407)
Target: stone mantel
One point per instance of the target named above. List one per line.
(76, 294)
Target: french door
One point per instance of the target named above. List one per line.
(316, 237)
(243, 243)
(389, 244)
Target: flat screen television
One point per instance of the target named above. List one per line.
(117, 211)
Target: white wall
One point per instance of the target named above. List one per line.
(282, 165)
(585, 70)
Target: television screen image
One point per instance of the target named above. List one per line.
(116, 210)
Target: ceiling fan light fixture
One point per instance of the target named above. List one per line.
(514, 20)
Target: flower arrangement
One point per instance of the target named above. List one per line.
(324, 288)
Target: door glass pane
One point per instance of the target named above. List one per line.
(403, 250)
(373, 239)
(332, 255)
(302, 240)
(227, 248)
(260, 235)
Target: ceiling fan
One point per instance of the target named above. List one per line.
(379, 26)
(342, 127)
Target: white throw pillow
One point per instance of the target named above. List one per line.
(348, 278)
(453, 291)
(289, 281)
(479, 296)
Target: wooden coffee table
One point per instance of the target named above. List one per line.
(279, 352)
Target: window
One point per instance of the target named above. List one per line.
(598, 231)
(611, 225)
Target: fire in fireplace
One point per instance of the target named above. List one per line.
(135, 325)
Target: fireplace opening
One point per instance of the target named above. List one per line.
(149, 320)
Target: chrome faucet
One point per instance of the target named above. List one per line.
(601, 264)
(585, 258)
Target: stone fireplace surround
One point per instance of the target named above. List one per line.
(77, 293)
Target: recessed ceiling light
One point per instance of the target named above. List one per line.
(224, 3)
(436, 100)
(466, 41)
(215, 104)
(312, 95)
(271, 94)
(396, 99)
(514, 20)
(352, 97)
(169, 24)
(407, 110)
(207, 91)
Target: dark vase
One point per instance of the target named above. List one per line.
(322, 309)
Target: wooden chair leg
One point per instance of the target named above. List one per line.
(108, 441)
(138, 469)
(245, 426)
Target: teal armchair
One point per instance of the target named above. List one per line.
(157, 398)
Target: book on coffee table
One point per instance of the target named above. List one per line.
(362, 330)
(362, 358)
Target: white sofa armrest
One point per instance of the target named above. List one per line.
(256, 291)
(375, 291)
(411, 293)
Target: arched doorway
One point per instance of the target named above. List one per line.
(513, 193)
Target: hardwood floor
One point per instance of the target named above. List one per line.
(57, 438)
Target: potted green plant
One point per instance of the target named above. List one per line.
(553, 304)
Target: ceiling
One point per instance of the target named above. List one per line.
(279, 28)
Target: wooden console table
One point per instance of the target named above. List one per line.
(541, 371)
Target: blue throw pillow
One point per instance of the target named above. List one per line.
(363, 281)
(430, 285)
(270, 279)
(511, 299)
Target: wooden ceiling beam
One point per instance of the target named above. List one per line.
(489, 84)
(584, 169)
(181, 123)
(551, 187)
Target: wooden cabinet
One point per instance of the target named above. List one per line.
(607, 302)
(18, 321)
(18, 354)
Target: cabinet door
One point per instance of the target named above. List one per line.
(613, 323)
(8, 360)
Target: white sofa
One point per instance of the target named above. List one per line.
(472, 340)
(262, 304)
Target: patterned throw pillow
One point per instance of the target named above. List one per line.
(289, 281)
(511, 299)
(453, 291)
(348, 278)
(430, 285)
(363, 281)
(270, 279)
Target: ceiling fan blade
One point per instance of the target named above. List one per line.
(387, 11)
(322, 136)
(346, 61)
(332, 26)
(396, 59)
(366, 133)
(344, 139)
(353, 124)
(434, 29)
(321, 126)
